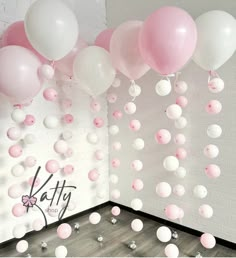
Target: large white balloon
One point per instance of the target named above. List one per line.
(51, 28)
(216, 43)
(94, 71)
(164, 234)
(136, 204)
(61, 251)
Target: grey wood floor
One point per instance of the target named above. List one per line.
(116, 237)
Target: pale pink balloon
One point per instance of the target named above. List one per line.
(68, 169)
(212, 171)
(15, 151)
(125, 51)
(69, 153)
(18, 210)
(36, 182)
(172, 211)
(68, 119)
(130, 108)
(163, 136)
(205, 211)
(180, 87)
(95, 105)
(37, 224)
(137, 184)
(93, 175)
(64, 231)
(213, 107)
(66, 103)
(168, 39)
(52, 166)
(181, 213)
(163, 189)
(172, 251)
(116, 146)
(14, 133)
(98, 122)
(135, 125)
(46, 72)
(29, 120)
(208, 240)
(30, 161)
(99, 155)
(15, 191)
(180, 139)
(117, 114)
(115, 163)
(181, 153)
(60, 146)
(50, 94)
(182, 101)
(137, 165)
(111, 98)
(103, 39)
(115, 211)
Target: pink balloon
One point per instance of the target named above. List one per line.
(13, 133)
(30, 161)
(125, 52)
(18, 210)
(36, 182)
(208, 240)
(93, 175)
(117, 114)
(180, 139)
(19, 79)
(52, 166)
(65, 65)
(181, 153)
(15, 151)
(168, 39)
(172, 212)
(46, 72)
(99, 155)
(115, 211)
(68, 169)
(115, 163)
(68, 119)
(182, 101)
(29, 120)
(135, 125)
(213, 107)
(111, 98)
(103, 39)
(64, 231)
(95, 106)
(171, 250)
(212, 171)
(163, 136)
(69, 153)
(137, 184)
(50, 94)
(15, 35)
(98, 122)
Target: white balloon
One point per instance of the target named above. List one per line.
(17, 170)
(181, 87)
(216, 85)
(61, 251)
(137, 165)
(174, 111)
(134, 90)
(211, 151)
(114, 179)
(93, 69)
(214, 131)
(22, 246)
(179, 190)
(137, 225)
(115, 194)
(180, 172)
(171, 163)
(92, 138)
(114, 129)
(46, 71)
(138, 144)
(200, 191)
(181, 123)
(205, 211)
(18, 115)
(101, 192)
(55, 35)
(15, 191)
(14, 133)
(19, 231)
(130, 108)
(171, 251)
(60, 146)
(51, 122)
(29, 138)
(116, 146)
(37, 224)
(163, 189)
(94, 218)
(136, 204)
(116, 83)
(67, 135)
(216, 41)
(163, 87)
(164, 234)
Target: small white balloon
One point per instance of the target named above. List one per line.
(18, 115)
(114, 179)
(163, 189)
(14, 133)
(181, 87)
(29, 139)
(171, 251)
(137, 165)
(101, 192)
(46, 71)
(60, 147)
(114, 129)
(116, 83)
(200, 191)
(130, 108)
(94, 218)
(138, 144)
(51, 122)
(214, 131)
(179, 190)
(22, 246)
(92, 138)
(180, 139)
(164, 234)
(211, 151)
(37, 224)
(116, 146)
(134, 90)
(67, 135)
(17, 170)
(61, 251)
(137, 225)
(115, 194)
(216, 85)
(174, 111)
(136, 204)
(171, 163)
(163, 87)
(205, 211)
(19, 231)
(180, 172)
(181, 123)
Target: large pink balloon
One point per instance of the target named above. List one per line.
(15, 35)
(65, 65)
(104, 38)
(19, 79)
(125, 51)
(168, 39)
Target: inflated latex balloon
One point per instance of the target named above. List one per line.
(200, 191)
(216, 85)
(130, 108)
(163, 136)
(95, 105)
(115, 163)
(171, 163)
(60, 146)
(15, 151)
(179, 139)
(164, 234)
(18, 210)
(179, 190)
(116, 146)
(115, 194)
(68, 169)
(211, 151)
(135, 125)
(172, 211)
(112, 98)
(116, 83)
(103, 39)
(181, 213)
(114, 129)
(117, 114)
(136, 204)
(182, 101)
(22, 246)
(51, 122)
(137, 184)
(98, 122)
(180, 172)
(37, 224)
(94, 218)
(212, 171)
(93, 175)
(114, 179)
(46, 71)
(180, 87)
(17, 170)
(14, 133)
(213, 107)
(181, 153)
(214, 131)
(69, 153)
(67, 135)
(29, 120)
(30, 161)
(163, 88)
(61, 251)
(50, 94)
(18, 116)
(52, 166)
(171, 250)
(115, 211)
(92, 138)
(137, 225)
(19, 231)
(29, 138)
(205, 211)
(137, 165)
(138, 144)
(181, 123)
(163, 189)
(99, 155)
(208, 240)
(64, 231)
(174, 111)
(134, 90)
(36, 182)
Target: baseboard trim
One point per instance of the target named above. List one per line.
(191, 231)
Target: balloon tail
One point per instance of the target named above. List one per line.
(177, 77)
(134, 89)
(212, 74)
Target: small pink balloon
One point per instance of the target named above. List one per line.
(111, 98)
(212, 171)
(30, 161)
(68, 169)
(46, 71)
(50, 94)
(213, 107)
(68, 119)
(135, 125)
(182, 101)
(181, 213)
(115, 163)
(137, 184)
(172, 211)
(116, 146)
(36, 182)
(117, 114)
(180, 139)
(18, 210)
(14, 133)
(15, 151)
(99, 155)
(95, 106)
(69, 153)
(64, 231)
(115, 211)
(163, 189)
(163, 136)
(98, 122)
(208, 240)
(137, 165)
(52, 166)
(180, 87)
(171, 250)
(103, 39)
(93, 175)
(66, 103)
(29, 120)
(181, 153)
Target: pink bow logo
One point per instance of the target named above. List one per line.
(29, 201)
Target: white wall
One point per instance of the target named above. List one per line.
(83, 159)
(150, 111)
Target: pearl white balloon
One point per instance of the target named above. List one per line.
(163, 189)
(17, 170)
(200, 191)
(115, 194)
(60, 146)
(138, 144)
(51, 122)
(137, 165)
(67, 135)
(19, 231)
(14, 133)
(137, 225)
(164, 234)
(130, 108)
(163, 88)
(61, 251)
(180, 139)
(114, 129)
(114, 179)
(205, 211)
(181, 123)
(180, 172)
(181, 87)
(22, 246)
(18, 115)
(214, 131)
(179, 190)
(171, 163)
(134, 90)
(172, 251)
(29, 138)
(136, 204)
(92, 138)
(211, 151)
(94, 218)
(216, 85)
(116, 83)
(174, 111)
(116, 146)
